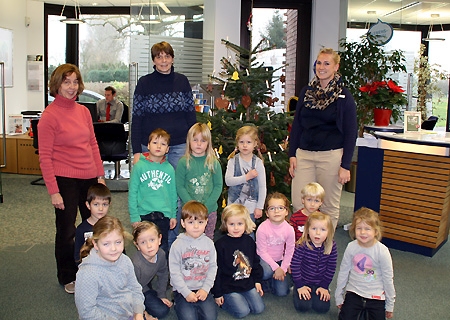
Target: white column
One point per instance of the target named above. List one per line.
(222, 21)
(329, 24)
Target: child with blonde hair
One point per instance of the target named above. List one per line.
(237, 288)
(275, 243)
(313, 264)
(245, 175)
(106, 286)
(150, 262)
(312, 199)
(365, 283)
(199, 174)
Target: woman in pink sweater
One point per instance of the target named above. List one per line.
(70, 163)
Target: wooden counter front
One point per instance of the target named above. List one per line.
(21, 156)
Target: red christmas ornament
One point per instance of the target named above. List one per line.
(246, 101)
(282, 78)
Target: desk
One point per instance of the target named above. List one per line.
(407, 180)
(21, 156)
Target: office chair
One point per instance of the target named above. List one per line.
(292, 103)
(429, 123)
(112, 143)
(125, 116)
(34, 129)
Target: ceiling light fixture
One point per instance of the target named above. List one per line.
(371, 12)
(408, 6)
(164, 7)
(77, 19)
(430, 29)
(152, 18)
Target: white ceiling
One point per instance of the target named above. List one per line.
(358, 9)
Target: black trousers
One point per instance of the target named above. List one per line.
(356, 307)
(74, 193)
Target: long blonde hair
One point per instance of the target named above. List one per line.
(252, 131)
(101, 228)
(233, 210)
(203, 129)
(306, 238)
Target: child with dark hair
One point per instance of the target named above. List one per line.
(98, 202)
(193, 266)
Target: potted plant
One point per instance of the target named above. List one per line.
(364, 63)
(385, 98)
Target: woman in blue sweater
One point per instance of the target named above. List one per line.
(323, 135)
(162, 99)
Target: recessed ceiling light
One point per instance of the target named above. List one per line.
(395, 0)
(435, 15)
(371, 12)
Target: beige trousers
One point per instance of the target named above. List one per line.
(321, 167)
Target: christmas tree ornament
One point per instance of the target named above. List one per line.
(272, 179)
(220, 149)
(209, 87)
(235, 76)
(246, 101)
(263, 148)
(221, 103)
(209, 125)
(282, 78)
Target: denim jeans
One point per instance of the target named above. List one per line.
(175, 153)
(154, 305)
(278, 288)
(200, 310)
(314, 303)
(356, 307)
(240, 304)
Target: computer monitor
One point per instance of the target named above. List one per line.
(92, 106)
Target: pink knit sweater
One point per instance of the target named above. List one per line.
(67, 143)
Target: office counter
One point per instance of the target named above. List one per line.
(21, 156)
(406, 178)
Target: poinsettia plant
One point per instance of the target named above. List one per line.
(384, 94)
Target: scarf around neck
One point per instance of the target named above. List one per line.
(317, 97)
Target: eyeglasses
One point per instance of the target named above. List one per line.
(279, 208)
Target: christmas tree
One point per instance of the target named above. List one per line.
(246, 98)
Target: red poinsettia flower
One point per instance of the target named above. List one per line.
(397, 89)
(382, 94)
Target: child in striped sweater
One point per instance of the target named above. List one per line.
(314, 264)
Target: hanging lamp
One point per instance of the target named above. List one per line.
(430, 29)
(77, 19)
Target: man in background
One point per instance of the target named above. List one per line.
(109, 109)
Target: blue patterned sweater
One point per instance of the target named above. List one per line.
(162, 101)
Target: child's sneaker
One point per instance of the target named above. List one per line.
(70, 287)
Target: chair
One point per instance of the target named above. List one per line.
(292, 103)
(34, 129)
(125, 116)
(112, 142)
(429, 123)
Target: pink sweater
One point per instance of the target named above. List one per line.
(67, 143)
(275, 243)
